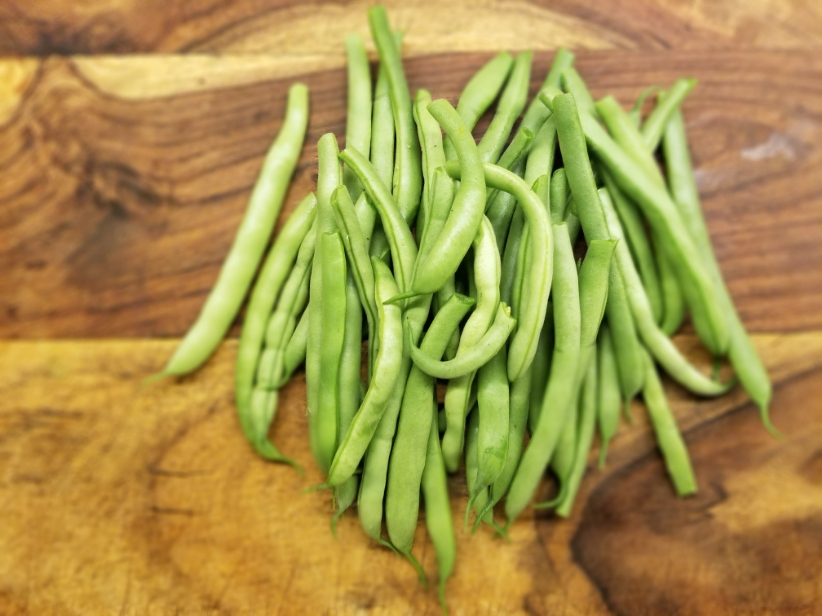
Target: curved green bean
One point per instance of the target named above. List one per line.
(471, 359)
(249, 244)
(511, 103)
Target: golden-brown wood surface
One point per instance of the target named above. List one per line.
(117, 498)
(44, 27)
(123, 180)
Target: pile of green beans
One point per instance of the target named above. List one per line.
(453, 256)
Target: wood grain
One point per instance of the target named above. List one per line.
(43, 27)
(122, 180)
(117, 498)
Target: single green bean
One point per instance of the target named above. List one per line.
(480, 493)
(358, 118)
(349, 385)
(407, 172)
(501, 207)
(511, 103)
(585, 436)
(480, 92)
(672, 293)
(743, 355)
(472, 359)
(608, 394)
(409, 451)
(510, 256)
(387, 366)
(272, 277)
(532, 315)
(674, 451)
(573, 83)
(559, 196)
(382, 148)
(249, 244)
(639, 245)
(492, 437)
(541, 368)
(636, 111)
(325, 419)
(667, 103)
(467, 211)
(295, 349)
(562, 462)
(433, 157)
(438, 510)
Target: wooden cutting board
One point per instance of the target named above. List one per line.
(122, 180)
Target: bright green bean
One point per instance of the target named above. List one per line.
(249, 244)
(438, 510)
(325, 419)
(358, 118)
(511, 103)
(558, 201)
(450, 247)
(409, 450)
(608, 394)
(743, 355)
(407, 172)
(573, 83)
(668, 437)
(473, 358)
(480, 92)
(585, 436)
(387, 366)
(667, 103)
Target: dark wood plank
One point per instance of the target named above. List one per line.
(44, 27)
(122, 181)
(117, 498)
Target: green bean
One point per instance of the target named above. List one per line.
(574, 226)
(573, 84)
(511, 103)
(559, 390)
(562, 462)
(541, 368)
(403, 247)
(628, 137)
(743, 355)
(672, 293)
(382, 147)
(480, 92)
(487, 272)
(674, 451)
(532, 315)
(433, 157)
(409, 451)
(387, 366)
(449, 248)
(636, 111)
(559, 196)
(407, 174)
(608, 395)
(585, 436)
(638, 243)
(660, 346)
(272, 277)
(480, 493)
(510, 254)
(492, 436)
(664, 218)
(357, 251)
(667, 103)
(294, 353)
(520, 394)
(349, 385)
(438, 510)
(471, 359)
(324, 420)
(358, 118)
(249, 244)
(501, 207)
